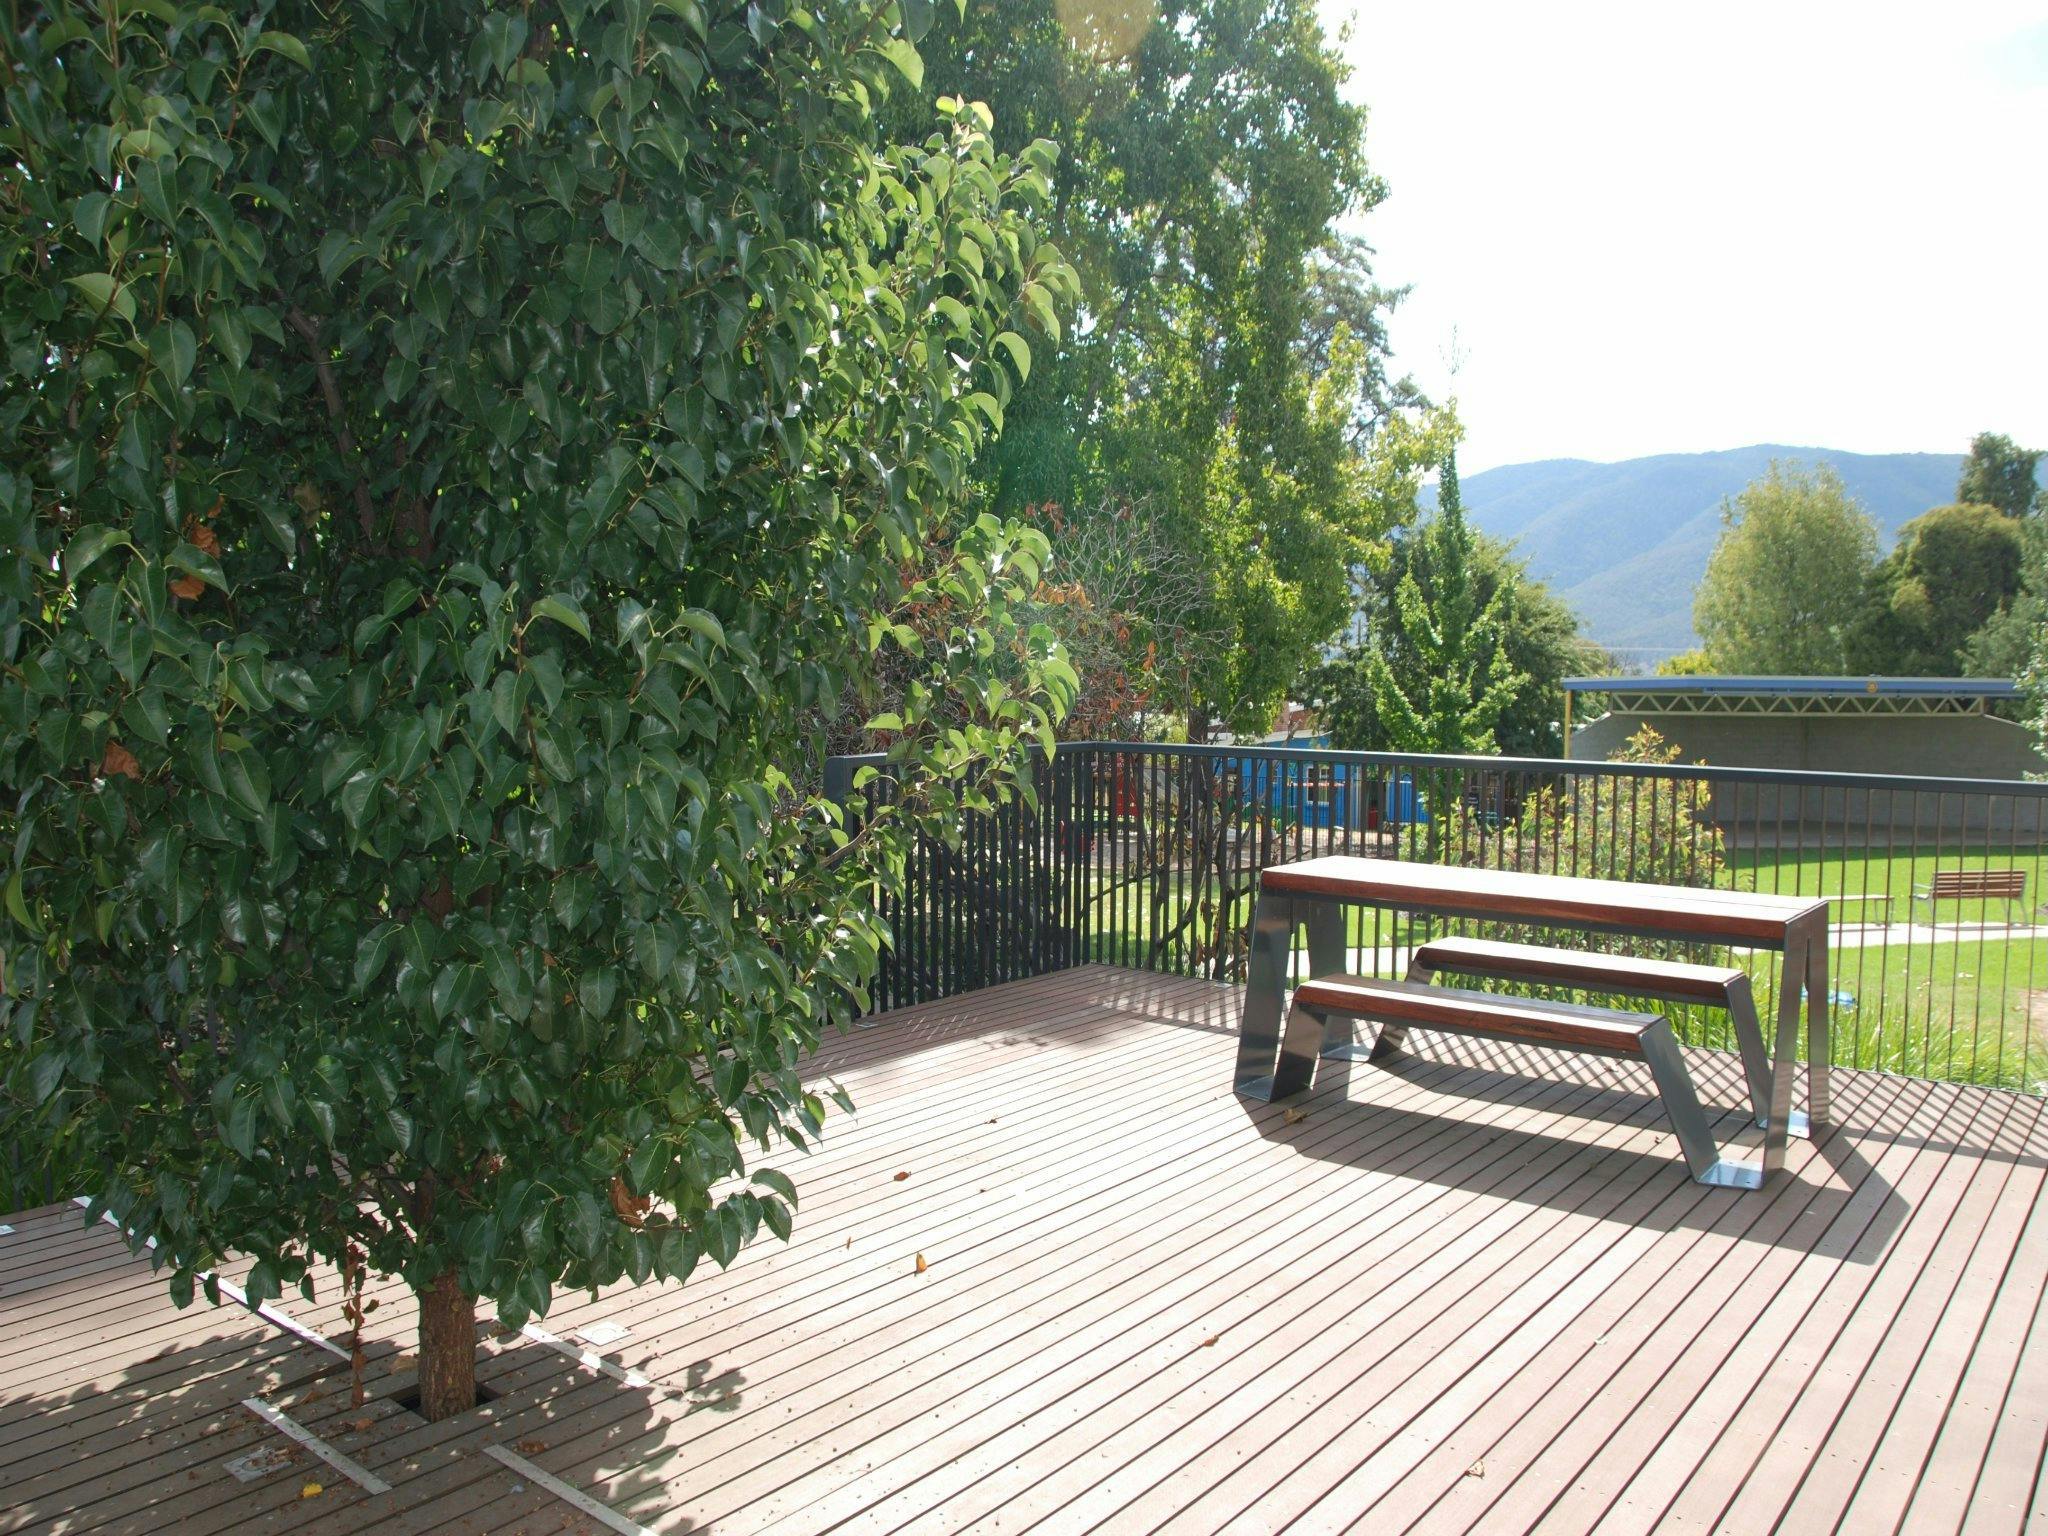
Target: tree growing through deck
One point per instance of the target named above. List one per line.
(455, 453)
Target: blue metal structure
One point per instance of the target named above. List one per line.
(1331, 794)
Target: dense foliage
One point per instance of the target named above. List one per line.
(1227, 364)
(1542, 645)
(1784, 590)
(1963, 591)
(1951, 572)
(2001, 474)
(451, 458)
(1657, 830)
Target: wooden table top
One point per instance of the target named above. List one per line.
(1622, 906)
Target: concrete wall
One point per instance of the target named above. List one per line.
(1934, 746)
(1913, 746)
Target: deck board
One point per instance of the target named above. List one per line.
(1471, 1292)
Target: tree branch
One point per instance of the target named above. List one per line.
(309, 328)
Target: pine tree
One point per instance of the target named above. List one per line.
(1469, 680)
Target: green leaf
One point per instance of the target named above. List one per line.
(88, 544)
(729, 1076)
(565, 611)
(285, 44)
(1019, 350)
(779, 1182)
(263, 1283)
(372, 955)
(89, 215)
(17, 906)
(103, 293)
(904, 55)
(505, 702)
(177, 349)
(45, 1074)
(704, 623)
(195, 561)
(1038, 304)
(240, 1130)
(247, 782)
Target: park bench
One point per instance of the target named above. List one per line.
(1398, 1006)
(2008, 885)
(1668, 981)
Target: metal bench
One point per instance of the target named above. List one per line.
(1667, 981)
(2007, 885)
(1398, 1006)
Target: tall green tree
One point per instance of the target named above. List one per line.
(1459, 680)
(452, 456)
(1999, 473)
(1953, 570)
(2004, 647)
(1543, 644)
(1228, 362)
(1785, 588)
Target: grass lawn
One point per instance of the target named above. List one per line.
(1858, 873)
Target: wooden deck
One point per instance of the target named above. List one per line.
(1472, 1293)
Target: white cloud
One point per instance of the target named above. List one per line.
(1663, 230)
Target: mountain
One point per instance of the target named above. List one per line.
(1626, 544)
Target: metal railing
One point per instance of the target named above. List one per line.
(1147, 855)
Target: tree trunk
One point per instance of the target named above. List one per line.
(447, 1349)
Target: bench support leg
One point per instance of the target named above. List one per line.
(1688, 1119)
(1392, 1036)
(1258, 1035)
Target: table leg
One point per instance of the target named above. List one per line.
(1792, 980)
(1820, 1047)
(1265, 994)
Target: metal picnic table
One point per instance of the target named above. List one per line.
(1313, 893)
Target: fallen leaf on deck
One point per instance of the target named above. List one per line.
(311, 1491)
(531, 1447)
(1477, 1469)
(1295, 1116)
(362, 1424)
(1210, 1342)
(902, 1176)
(921, 1265)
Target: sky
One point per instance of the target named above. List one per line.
(1636, 229)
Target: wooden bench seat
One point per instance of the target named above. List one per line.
(2007, 885)
(1398, 1006)
(1671, 981)
(1395, 1004)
